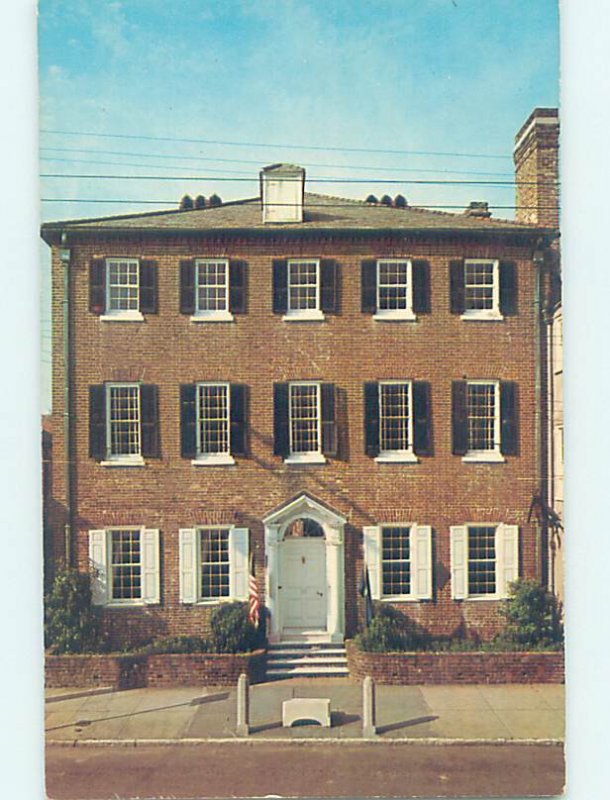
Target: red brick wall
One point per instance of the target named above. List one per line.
(259, 349)
(446, 668)
(121, 672)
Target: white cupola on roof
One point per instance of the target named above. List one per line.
(282, 193)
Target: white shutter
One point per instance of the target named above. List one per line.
(238, 563)
(188, 565)
(98, 557)
(420, 549)
(507, 557)
(459, 562)
(372, 558)
(149, 549)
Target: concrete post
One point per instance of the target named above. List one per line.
(369, 729)
(243, 706)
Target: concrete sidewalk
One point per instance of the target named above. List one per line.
(482, 713)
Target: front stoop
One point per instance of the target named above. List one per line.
(306, 660)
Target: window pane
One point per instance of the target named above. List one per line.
(214, 544)
(123, 285)
(213, 410)
(212, 279)
(126, 567)
(124, 420)
(302, 285)
(392, 283)
(304, 423)
(481, 560)
(479, 285)
(395, 555)
(394, 416)
(481, 416)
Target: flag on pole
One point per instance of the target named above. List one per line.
(365, 592)
(253, 598)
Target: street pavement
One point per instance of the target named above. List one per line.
(480, 713)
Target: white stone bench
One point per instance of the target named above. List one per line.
(306, 708)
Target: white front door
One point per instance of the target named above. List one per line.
(302, 584)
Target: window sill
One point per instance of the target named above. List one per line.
(123, 316)
(484, 457)
(397, 457)
(400, 598)
(304, 316)
(224, 460)
(213, 316)
(305, 458)
(123, 462)
(129, 604)
(481, 598)
(482, 316)
(395, 316)
(212, 601)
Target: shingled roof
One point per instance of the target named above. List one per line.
(321, 213)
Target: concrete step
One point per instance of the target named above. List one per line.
(309, 672)
(281, 652)
(307, 661)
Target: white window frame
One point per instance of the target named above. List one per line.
(212, 459)
(305, 314)
(506, 560)
(100, 558)
(420, 561)
(311, 456)
(491, 455)
(118, 459)
(190, 565)
(394, 314)
(405, 456)
(118, 314)
(492, 314)
(212, 315)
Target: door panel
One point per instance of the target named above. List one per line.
(303, 582)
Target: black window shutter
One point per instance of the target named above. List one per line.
(371, 419)
(422, 428)
(368, 285)
(97, 286)
(188, 420)
(329, 286)
(456, 286)
(508, 288)
(509, 419)
(459, 418)
(280, 286)
(149, 411)
(281, 439)
(187, 287)
(237, 287)
(148, 287)
(238, 418)
(421, 287)
(97, 422)
(329, 420)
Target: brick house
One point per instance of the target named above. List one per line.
(318, 382)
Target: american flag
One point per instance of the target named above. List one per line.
(253, 598)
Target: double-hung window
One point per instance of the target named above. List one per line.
(305, 428)
(483, 409)
(482, 288)
(396, 421)
(212, 288)
(125, 564)
(485, 419)
(123, 412)
(398, 560)
(213, 564)
(304, 289)
(122, 288)
(123, 423)
(213, 423)
(394, 289)
(484, 560)
(305, 422)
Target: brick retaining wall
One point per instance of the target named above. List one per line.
(121, 672)
(468, 667)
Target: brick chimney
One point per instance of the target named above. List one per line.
(282, 193)
(536, 157)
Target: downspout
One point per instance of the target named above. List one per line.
(64, 255)
(539, 260)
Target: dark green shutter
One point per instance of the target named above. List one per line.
(456, 287)
(97, 286)
(368, 286)
(149, 421)
(422, 428)
(238, 419)
(281, 438)
(329, 419)
(237, 287)
(421, 287)
(148, 287)
(329, 286)
(508, 288)
(97, 422)
(459, 418)
(509, 419)
(188, 420)
(187, 287)
(371, 419)
(280, 286)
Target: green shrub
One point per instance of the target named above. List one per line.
(71, 623)
(178, 644)
(532, 617)
(231, 631)
(389, 632)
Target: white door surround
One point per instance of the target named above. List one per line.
(281, 550)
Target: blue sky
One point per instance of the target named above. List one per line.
(454, 76)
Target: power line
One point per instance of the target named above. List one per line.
(276, 145)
